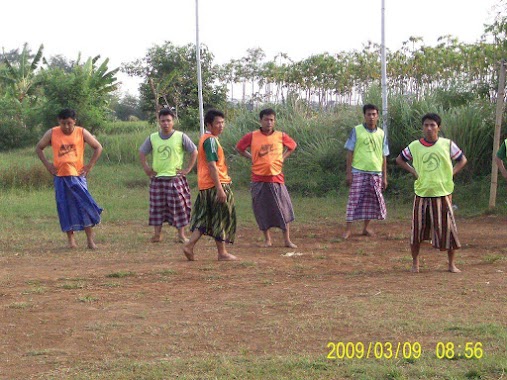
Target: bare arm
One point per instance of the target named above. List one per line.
(190, 165)
(287, 153)
(501, 166)
(350, 156)
(213, 170)
(459, 165)
(97, 151)
(401, 162)
(147, 169)
(44, 142)
(384, 173)
(244, 153)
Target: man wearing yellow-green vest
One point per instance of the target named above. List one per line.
(366, 172)
(170, 199)
(432, 167)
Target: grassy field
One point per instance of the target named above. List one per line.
(134, 310)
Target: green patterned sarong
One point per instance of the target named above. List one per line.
(212, 218)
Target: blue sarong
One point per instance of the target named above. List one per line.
(76, 207)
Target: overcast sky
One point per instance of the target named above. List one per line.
(124, 32)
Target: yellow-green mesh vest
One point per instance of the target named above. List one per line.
(368, 151)
(167, 154)
(434, 168)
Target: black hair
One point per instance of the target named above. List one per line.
(67, 113)
(211, 114)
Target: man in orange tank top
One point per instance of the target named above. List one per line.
(271, 201)
(77, 210)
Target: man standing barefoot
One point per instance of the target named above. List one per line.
(170, 199)
(214, 211)
(77, 210)
(366, 172)
(433, 217)
(271, 201)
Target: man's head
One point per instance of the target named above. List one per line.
(431, 126)
(67, 120)
(370, 112)
(214, 121)
(268, 119)
(166, 120)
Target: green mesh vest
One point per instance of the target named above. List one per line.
(167, 154)
(433, 165)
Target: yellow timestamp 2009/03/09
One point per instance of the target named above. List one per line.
(402, 350)
(374, 350)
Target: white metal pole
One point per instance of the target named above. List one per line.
(384, 75)
(198, 58)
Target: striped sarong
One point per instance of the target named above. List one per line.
(212, 218)
(76, 207)
(271, 204)
(366, 201)
(170, 201)
(433, 219)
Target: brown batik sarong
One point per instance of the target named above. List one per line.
(433, 219)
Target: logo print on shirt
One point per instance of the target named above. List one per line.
(370, 143)
(67, 149)
(266, 149)
(165, 152)
(431, 162)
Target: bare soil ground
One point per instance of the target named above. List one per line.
(62, 311)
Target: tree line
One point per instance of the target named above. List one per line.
(33, 88)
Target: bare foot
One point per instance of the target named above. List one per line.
(227, 257)
(92, 245)
(189, 253)
(368, 232)
(453, 269)
(156, 239)
(290, 244)
(415, 269)
(182, 239)
(267, 243)
(72, 244)
(346, 235)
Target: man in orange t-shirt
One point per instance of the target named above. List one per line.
(214, 211)
(77, 210)
(271, 201)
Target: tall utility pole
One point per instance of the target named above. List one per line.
(198, 58)
(384, 75)
(496, 138)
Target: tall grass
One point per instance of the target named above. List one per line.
(318, 165)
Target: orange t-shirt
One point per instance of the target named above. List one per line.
(68, 151)
(204, 180)
(267, 153)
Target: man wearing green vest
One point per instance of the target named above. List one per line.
(170, 199)
(500, 156)
(366, 171)
(433, 217)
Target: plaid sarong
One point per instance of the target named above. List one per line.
(366, 201)
(433, 219)
(170, 201)
(271, 204)
(76, 207)
(215, 219)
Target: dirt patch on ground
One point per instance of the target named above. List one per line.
(64, 310)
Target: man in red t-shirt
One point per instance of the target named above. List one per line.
(271, 202)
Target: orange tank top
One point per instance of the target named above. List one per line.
(204, 180)
(68, 151)
(267, 153)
